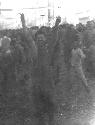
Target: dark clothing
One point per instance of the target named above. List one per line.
(43, 88)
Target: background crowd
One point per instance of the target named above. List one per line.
(37, 82)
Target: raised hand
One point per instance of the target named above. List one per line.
(23, 23)
(22, 19)
(58, 20)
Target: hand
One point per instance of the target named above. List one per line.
(22, 16)
(58, 20)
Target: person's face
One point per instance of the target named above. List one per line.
(41, 38)
(76, 44)
(5, 44)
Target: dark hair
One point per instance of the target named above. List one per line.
(39, 32)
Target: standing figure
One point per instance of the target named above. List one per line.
(43, 87)
(76, 62)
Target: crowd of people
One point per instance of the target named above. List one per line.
(44, 71)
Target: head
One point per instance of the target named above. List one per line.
(5, 43)
(76, 44)
(40, 37)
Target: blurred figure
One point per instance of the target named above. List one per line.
(5, 44)
(43, 90)
(76, 62)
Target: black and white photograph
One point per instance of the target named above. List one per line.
(47, 62)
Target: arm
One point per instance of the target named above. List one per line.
(54, 39)
(55, 31)
(23, 23)
(81, 54)
(30, 42)
(58, 20)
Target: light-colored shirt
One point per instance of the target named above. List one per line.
(77, 56)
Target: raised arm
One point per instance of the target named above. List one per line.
(54, 39)
(23, 23)
(58, 20)
(28, 37)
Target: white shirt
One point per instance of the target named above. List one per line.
(77, 56)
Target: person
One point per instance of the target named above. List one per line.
(8, 60)
(5, 57)
(5, 44)
(42, 48)
(43, 88)
(76, 63)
